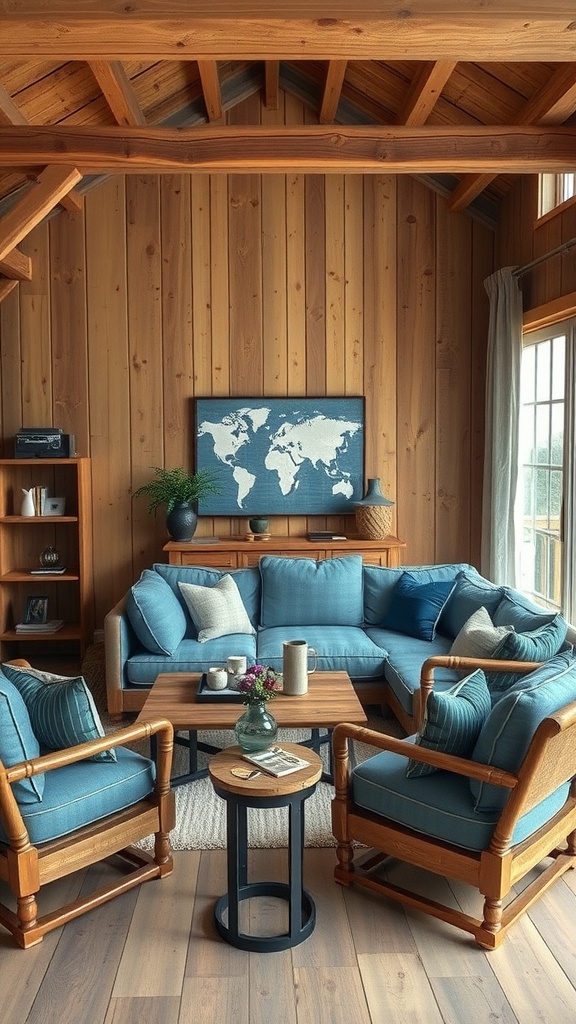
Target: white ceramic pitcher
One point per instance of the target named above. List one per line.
(295, 670)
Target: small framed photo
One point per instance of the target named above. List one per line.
(36, 611)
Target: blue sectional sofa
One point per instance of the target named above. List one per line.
(376, 623)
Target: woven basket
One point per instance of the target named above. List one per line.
(373, 522)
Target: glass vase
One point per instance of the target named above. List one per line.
(256, 729)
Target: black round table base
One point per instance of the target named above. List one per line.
(266, 943)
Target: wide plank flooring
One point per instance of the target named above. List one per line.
(152, 956)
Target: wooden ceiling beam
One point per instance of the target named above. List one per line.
(6, 287)
(211, 88)
(332, 90)
(510, 30)
(52, 184)
(118, 92)
(307, 149)
(424, 92)
(10, 113)
(16, 265)
(272, 84)
(551, 105)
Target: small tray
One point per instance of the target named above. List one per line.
(204, 695)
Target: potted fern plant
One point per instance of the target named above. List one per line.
(180, 491)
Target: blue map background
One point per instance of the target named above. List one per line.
(281, 456)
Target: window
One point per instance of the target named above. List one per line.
(547, 534)
(554, 189)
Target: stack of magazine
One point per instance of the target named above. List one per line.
(276, 761)
(39, 627)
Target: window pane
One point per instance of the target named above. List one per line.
(555, 500)
(558, 366)
(542, 434)
(528, 374)
(544, 350)
(526, 439)
(557, 434)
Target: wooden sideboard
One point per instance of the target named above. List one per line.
(238, 552)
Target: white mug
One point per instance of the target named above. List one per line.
(236, 666)
(295, 671)
(217, 678)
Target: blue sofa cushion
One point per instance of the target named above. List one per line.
(17, 741)
(379, 583)
(156, 616)
(537, 645)
(191, 656)
(61, 708)
(216, 611)
(438, 805)
(247, 581)
(510, 726)
(338, 648)
(80, 793)
(471, 592)
(452, 721)
(416, 607)
(303, 592)
(404, 663)
(514, 609)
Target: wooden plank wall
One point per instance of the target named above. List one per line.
(167, 287)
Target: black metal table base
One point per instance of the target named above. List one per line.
(301, 907)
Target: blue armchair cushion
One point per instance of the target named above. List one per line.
(61, 709)
(537, 645)
(510, 726)
(17, 741)
(303, 592)
(452, 721)
(471, 592)
(155, 614)
(416, 607)
(81, 793)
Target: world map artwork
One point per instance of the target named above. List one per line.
(281, 456)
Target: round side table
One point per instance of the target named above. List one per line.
(264, 791)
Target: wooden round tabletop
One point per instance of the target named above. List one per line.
(264, 785)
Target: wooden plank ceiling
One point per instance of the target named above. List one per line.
(466, 94)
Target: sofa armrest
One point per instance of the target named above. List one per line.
(448, 762)
(117, 649)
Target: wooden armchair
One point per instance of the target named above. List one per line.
(490, 850)
(127, 805)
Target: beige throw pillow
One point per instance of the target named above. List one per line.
(479, 637)
(216, 611)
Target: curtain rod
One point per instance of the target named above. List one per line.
(520, 271)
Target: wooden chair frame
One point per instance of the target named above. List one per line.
(549, 762)
(26, 868)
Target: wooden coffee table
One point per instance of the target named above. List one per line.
(331, 699)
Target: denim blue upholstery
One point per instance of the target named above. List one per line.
(191, 656)
(405, 659)
(379, 585)
(452, 721)
(301, 591)
(155, 614)
(415, 607)
(514, 609)
(86, 791)
(471, 592)
(17, 741)
(339, 648)
(247, 581)
(438, 805)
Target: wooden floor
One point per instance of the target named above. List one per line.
(152, 957)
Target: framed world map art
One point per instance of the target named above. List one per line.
(281, 456)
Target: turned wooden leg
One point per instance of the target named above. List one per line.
(27, 911)
(492, 915)
(344, 870)
(162, 853)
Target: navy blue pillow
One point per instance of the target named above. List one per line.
(415, 607)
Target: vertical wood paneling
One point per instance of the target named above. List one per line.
(176, 286)
(68, 327)
(144, 348)
(416, 368)
(453, 306)
(108, 393)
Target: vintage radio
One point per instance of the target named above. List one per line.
(43, 443)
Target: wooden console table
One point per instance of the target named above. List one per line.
(238, 553)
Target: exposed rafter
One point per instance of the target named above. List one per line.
(332, 89)
(51, 185)
(118, 92)
(271, 84)
(6, 287)
(309, 148)
(425, 91)
(211, 87)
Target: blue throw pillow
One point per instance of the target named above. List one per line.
(453, 721)
(538, 645)
(61, 709)
(155, 614)
(416, 607)
(303, 592)
(18, 742)
(517, 610)
(507, 732)
(471, 592)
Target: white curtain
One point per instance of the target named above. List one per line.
(502, 419)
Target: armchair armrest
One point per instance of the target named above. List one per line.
(460, 765)
(461, 665)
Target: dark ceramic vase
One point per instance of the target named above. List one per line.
(258, 524)
(181, 522)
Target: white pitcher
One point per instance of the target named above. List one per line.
(295, 671)
(27, 507)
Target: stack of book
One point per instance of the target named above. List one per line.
(322, 535)
(39, 627)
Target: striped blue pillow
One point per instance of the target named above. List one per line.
(61, 709)
(453, 721)
(536, 645)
